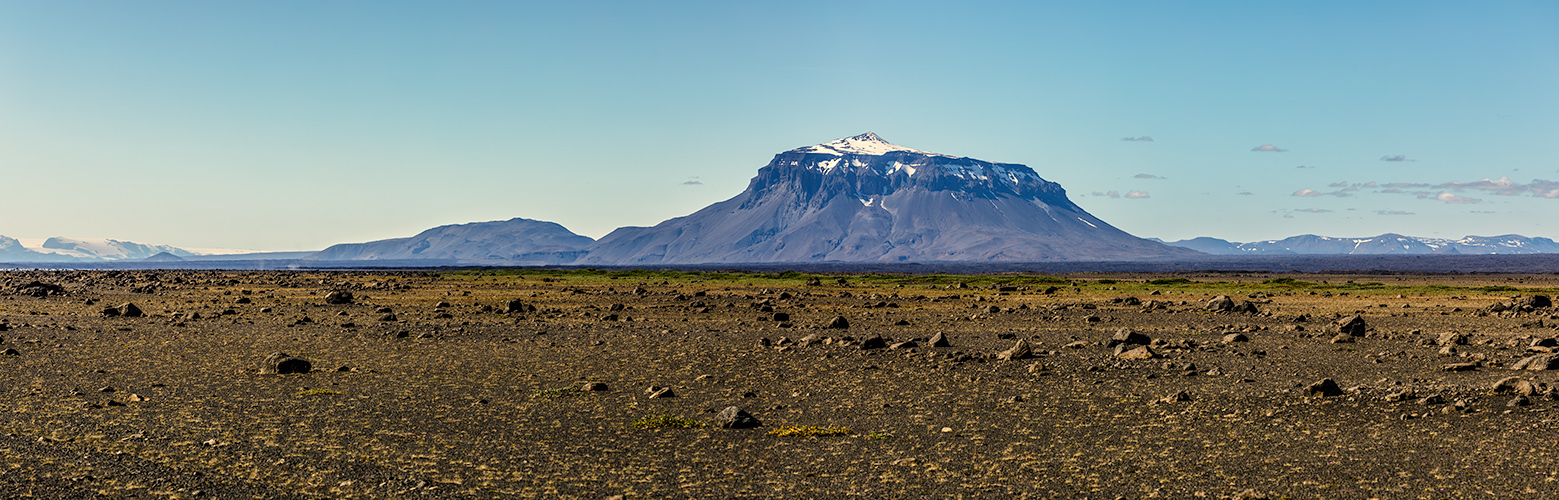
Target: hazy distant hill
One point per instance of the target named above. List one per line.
(1385, 244)
(511, 242)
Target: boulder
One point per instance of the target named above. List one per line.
(129, 310)
(1537, 363)
(1235, 337)
(1324, 388)
(1452, 338)
(1351, 325)
(338, 297)
(1142, 352)
(939, 340)
(281, 363)
(1514, 385)
(876, 342)
(838, 323)
(517, 306)
(736, 418)
(1220, 303)
(1128, 337)
(1020, 350)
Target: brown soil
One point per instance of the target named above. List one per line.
(463, 400)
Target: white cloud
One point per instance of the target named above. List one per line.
(1395, 158)
(1312, 210)
(1111, 194)
(1138, 139)
(1393, 212)
(692, 183)
(1451, 198)
(1268, 148)
(1136, 195)
(1147, 176)
(1307, 193)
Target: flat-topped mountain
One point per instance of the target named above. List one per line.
(863, 199)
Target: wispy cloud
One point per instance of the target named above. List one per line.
(1395, 158)
(1147, 176)
(1268, 148)
(1393, 212)
(1111, 194)
(1305, 166)
(1306, 193)
(1244, 193)
(1312, 210)
(1138, 139)
(1338, 184)
(1503, 186)
(692, 183)
(1136, 195)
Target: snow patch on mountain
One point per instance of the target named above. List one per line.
(864, 144)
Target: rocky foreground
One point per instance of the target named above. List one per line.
(649, 385)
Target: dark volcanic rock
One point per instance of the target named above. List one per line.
(736, 418)
(1537, 363)
(339, 297)
(1129, 337)
(40, 289)
(281, 362)
(1220, 303)
(838, 323)
(940, 340)
(875, 342)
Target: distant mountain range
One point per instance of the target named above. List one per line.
(858, 199)
(1385, 244)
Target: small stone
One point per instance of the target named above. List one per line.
(1459, 367)
(1235, 337)
(387, 317)
(1077, 345)
(1433, 399)
(1451, 338)
(338, 297)
(593, 387)
(9, 351)
(135, 398)
(1342, 338)
(838, 323)
(736, 418)
(1519, 401)
(661, 392)
(1178, 397)
(904, 345)
(781, 317)
(876, 342)
(1220, 303)
(940, 340)
(1449, 350)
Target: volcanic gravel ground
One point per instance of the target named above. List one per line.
(469, 400)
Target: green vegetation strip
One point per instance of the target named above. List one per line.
(809, 430)
(666, 422)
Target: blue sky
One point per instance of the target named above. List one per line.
(296, 125)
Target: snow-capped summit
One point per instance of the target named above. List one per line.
(864, 144)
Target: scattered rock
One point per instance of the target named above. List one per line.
(1342, 338)
(339, 297)
(838, 323)
(904, 345)
(1077, 345)
(1178, 397)
(1220, 303)
(593, 387)
(1449, 350)
(940, 340)
(659, 392)
(9, 351)
(1451, 338)
(781, 317)
(1020, 350)
(1519, 401)
(281, 362)
(1324, 388)
(1235, 337)
(736, 418)
(876, 342)
(1459, 367)
(128, 310)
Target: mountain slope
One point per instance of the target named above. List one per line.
(862, 199)
(512, 242)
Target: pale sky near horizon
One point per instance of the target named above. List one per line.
(296, 125)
